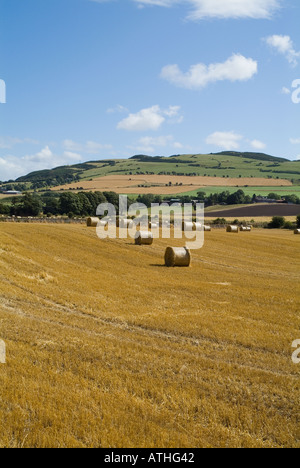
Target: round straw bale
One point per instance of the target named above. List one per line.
(144, 238)
(92, 222)
(232, 229)
(197, 227)
(153, 225)
(245, 228)
(297, 231)
(187, 226)
(177, 256)
(207, 228)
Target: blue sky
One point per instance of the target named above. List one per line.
(88, 80)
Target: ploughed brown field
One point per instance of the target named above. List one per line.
(106, 347)
(156, 184)
(256, 211)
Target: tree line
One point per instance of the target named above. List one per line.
(83, 204)
(69, 204)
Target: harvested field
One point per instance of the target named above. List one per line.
(106, 347)
(7, 197)
(256, 211)
(156, 184)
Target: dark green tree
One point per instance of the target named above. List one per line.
(29, 205)
(277, 222)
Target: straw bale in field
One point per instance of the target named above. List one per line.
(232, 229)
(92, 222)
(144, 238)
(177, 256)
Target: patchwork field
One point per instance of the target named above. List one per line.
(256, 211)
(158, 184)
(108, 348)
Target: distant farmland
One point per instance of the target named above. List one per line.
(257, 210)
(161, 184)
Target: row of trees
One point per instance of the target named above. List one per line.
(240, 198)
(85, 203)
(226, 198)
(72, 204)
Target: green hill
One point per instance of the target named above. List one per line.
(224, 164)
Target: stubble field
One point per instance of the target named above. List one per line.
(158, 184)
(108, 348)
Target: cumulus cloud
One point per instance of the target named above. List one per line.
(295, 141)
(236, 68)
(284, 46)
(200, 9)
(258, 145)
(12, 167)
(150, 118)
(232, 140)
(225, 140)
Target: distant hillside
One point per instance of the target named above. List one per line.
(258, 156)
(225, 164)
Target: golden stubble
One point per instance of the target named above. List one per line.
(108, 348)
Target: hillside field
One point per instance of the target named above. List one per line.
(159, 184)
(255, 211)
(106, 347)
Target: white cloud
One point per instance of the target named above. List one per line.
(284, 46)
(295, 141)
(285, 90)
(12, 167)
(90, 147)
(256, 9)
(232, 140)
(172, 111)
(236, 68)
(151, 118)
(225, 140)
(43, 156)
(258, 145)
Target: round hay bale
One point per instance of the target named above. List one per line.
(232, 229)
(144, 238)
(245, 228)
(297, 231)
(207, 228)
(187, 226)
(177, 256)
(197, 227)
(153, 225)
(92, 222)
